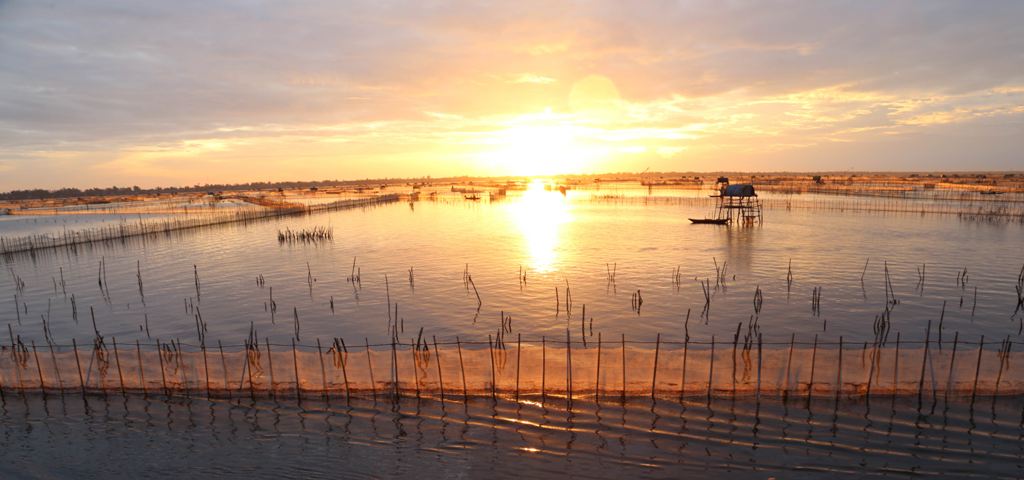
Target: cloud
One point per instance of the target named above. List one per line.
(87, 83)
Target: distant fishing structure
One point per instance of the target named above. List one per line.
(736, 204)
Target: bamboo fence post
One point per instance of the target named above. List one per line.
(952, 361)
(56, 370)
(519, 355)
(323, 371)
(977, 370)
(462, 367)
(344, 372)
(415, 370)
(270, 367)
(224, 368)
(117, 360)
(924, 363)
(839, 371)
(490, 349)
(789, 366)
(142, 369)
(78, 362)
(654, 376)
(440, 379)
(623, 368)
(39, 369)
(758, 393)
(163, 376)
(543, 365)
(295, 364)
(568, 368)
(369, 363)
(597, 380)
(814, 358)
(206, 368)
(711, 369)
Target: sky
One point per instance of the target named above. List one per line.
(121, 92)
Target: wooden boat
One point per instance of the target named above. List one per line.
(713, 221)
(472, 197)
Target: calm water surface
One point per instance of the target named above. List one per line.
(169, 438)
(558, 243)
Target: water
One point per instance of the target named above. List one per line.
(559, 243)
(100, 437)
(568, 244)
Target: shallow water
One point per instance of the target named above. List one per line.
(559, 242)
(155, 437)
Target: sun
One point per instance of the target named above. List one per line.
(539, 145)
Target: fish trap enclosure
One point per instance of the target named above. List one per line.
(538, 368)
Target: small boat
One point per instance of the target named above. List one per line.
(991, 192)
(472, 197)
(712, 221)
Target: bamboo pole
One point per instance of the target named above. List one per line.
(369, 364)
(711, 369)
(39, 369)
(490, 348)
(323, 370)
(654, 376)
(462, 367)
(519, 354)
(344, 372)
(142, 369)
(163, 376)
(597, 380)
(440, 379)
(295, 363)
(682, 382)
(117, 360)
(78, 362)
(270, 367)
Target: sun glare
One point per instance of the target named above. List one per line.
(539, 214)
(544, 144)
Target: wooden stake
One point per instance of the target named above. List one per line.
(270, 366)
(654, 376)
(117, 360)
(490, 347)
(519, 354)
(440, 379)
(711, 369)
(224, 369)
(568, 365)
(369, 363)
(39, 369)
(757, 395)
(623, 368)
(344, 372)
(323, 370)
(839, 371)
(56, 370)
(977, 369)
(789, 366)
(295, 363)
(142, 369)
(924, 363)
(206, 367)
(952, 361)
(462, 367)
(597, 381)
(814, 358)
(682, 382)
(78, 362)
(163, 376)
(543, 365)
(415, 369)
